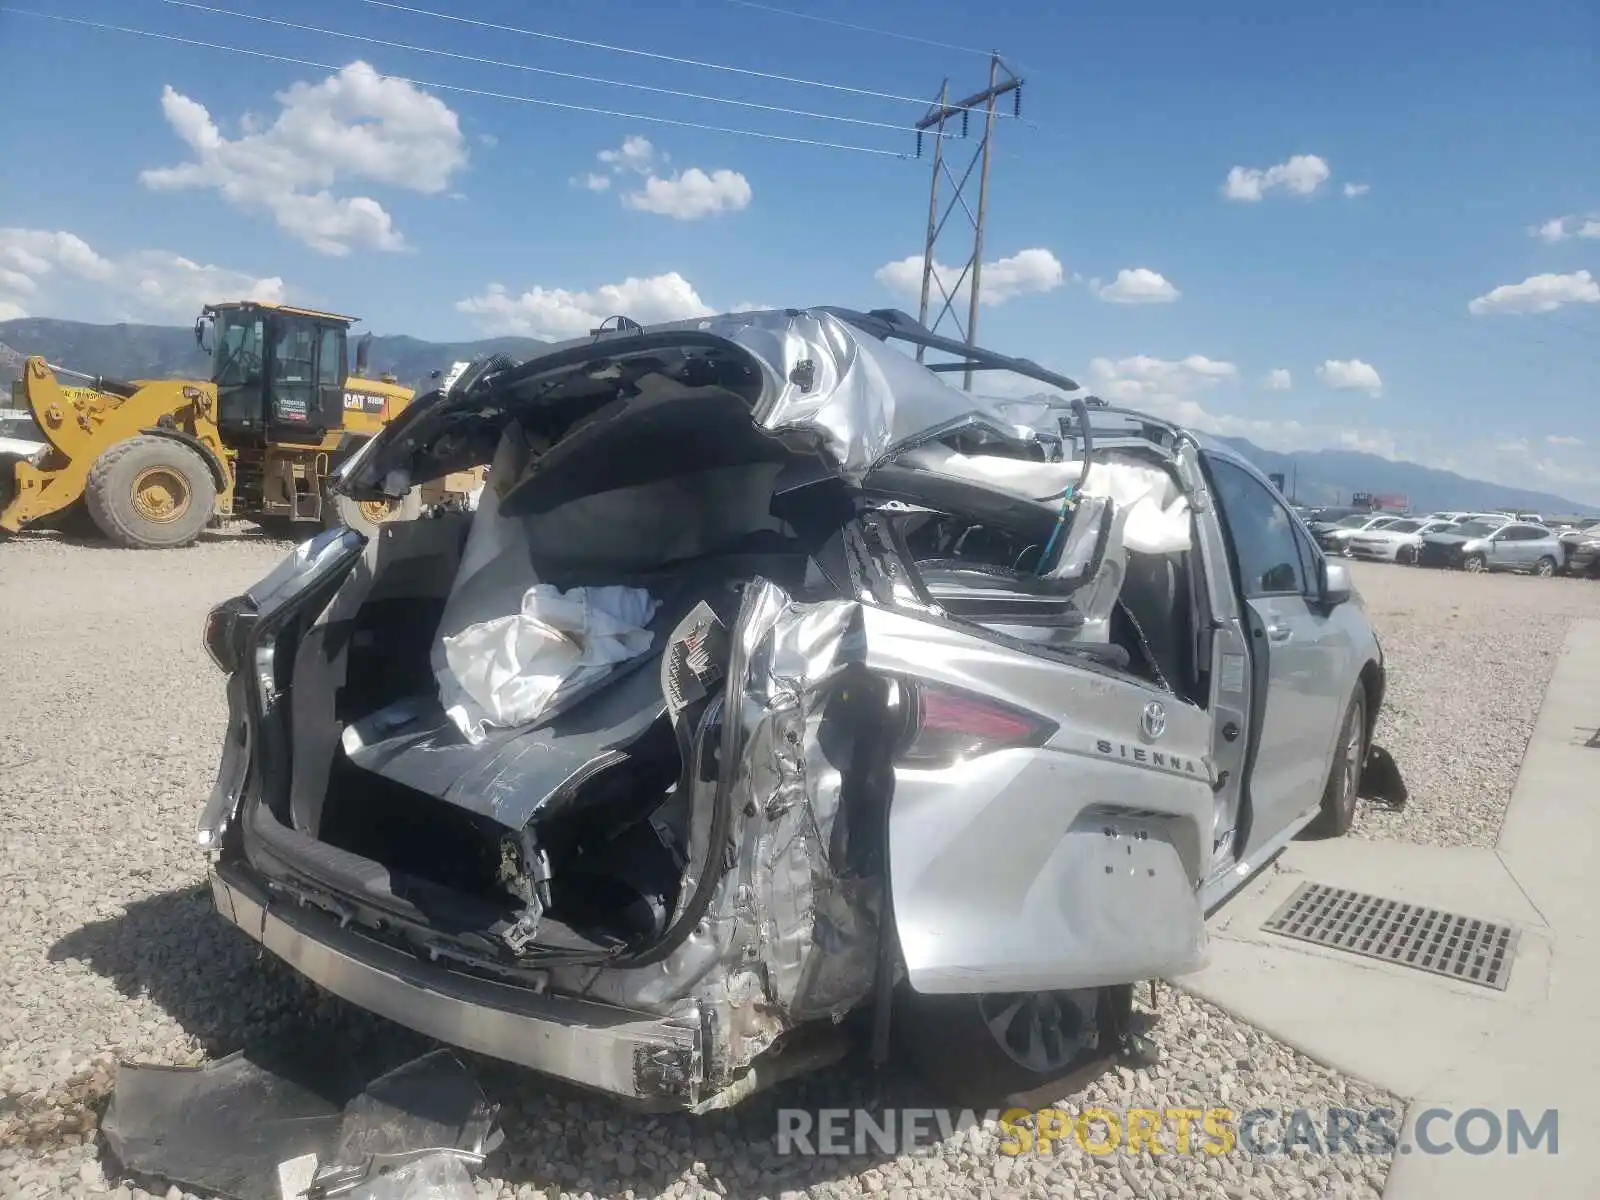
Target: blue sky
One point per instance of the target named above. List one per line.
(147, 176)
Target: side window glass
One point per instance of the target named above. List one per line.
(1265, 546)
(328, 358)
(293, 359)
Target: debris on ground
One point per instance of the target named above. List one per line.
(244, 1126)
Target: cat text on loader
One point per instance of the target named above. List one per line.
(155, 461)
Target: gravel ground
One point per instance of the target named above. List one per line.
(1469, 660)
(109, 724)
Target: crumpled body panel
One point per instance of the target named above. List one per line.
(1069, 865)
(792, 931)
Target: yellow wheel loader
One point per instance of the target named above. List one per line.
(155, 461)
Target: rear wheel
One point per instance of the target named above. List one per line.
(1545, 567)
(1475, 563)
(1338, 810)
(979, 1050)
(368, 516)
(151, 493)
(1406, 556)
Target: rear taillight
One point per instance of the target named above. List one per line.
(949, 726)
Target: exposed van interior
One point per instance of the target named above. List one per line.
(584, 816)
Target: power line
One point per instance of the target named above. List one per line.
(889, 33)
(466, 91)
(515, 66)
(651, 54)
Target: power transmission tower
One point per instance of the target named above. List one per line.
(1002, 82)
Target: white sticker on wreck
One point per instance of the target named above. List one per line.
(1231, 677)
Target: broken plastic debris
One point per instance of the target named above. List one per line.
(234, 1127)
(431, 1177)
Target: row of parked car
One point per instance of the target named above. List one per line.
(1470, 541)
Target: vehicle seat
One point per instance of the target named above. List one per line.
(1154, 592)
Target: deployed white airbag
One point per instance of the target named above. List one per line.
(511, 670)
(1157, 512)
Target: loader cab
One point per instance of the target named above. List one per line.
(279, 372)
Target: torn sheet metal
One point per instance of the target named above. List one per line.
(792, 931)
(827, 383)
(225, 1128)
(862, 399)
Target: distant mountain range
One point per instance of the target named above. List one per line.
(1321, 477)
(159, 351)
(168, 352)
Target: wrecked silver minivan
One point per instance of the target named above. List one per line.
(774, 682)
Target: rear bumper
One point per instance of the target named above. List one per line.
(649, 1060)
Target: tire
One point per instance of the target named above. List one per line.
(341, 510)
(1545, 567)
(1475, 563)
(151, 493)
(1406, 556)
(951, 1042)
(1339, 794)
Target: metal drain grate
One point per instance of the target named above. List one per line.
(1410, 935)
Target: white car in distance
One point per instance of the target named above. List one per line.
(1396, 542)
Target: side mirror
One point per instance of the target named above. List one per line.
(363, 351)
(1337, 586)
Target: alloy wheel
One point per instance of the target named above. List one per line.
(1040, 1031)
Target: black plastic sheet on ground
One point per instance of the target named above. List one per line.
(222, 1129)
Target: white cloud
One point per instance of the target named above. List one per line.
(556, 313)
(1279, 380)
(1350, 375)
(1301, 175)
(683, 195)
(1162, 384)
(355, 125)
(1026, 272)
(145, 283)
(692, 194)
(635, 154)
(1538, 294)
(1557, 439)
(1559, 229)
(16, 283)
(1138, 285)
(1357, 189)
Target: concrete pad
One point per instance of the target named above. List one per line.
(1549, 838)
(1445, 1044)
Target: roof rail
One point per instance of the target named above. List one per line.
(886, 323)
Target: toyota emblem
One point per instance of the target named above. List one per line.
(1153, 722)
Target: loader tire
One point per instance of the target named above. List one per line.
(367, 519)
(151, 493)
